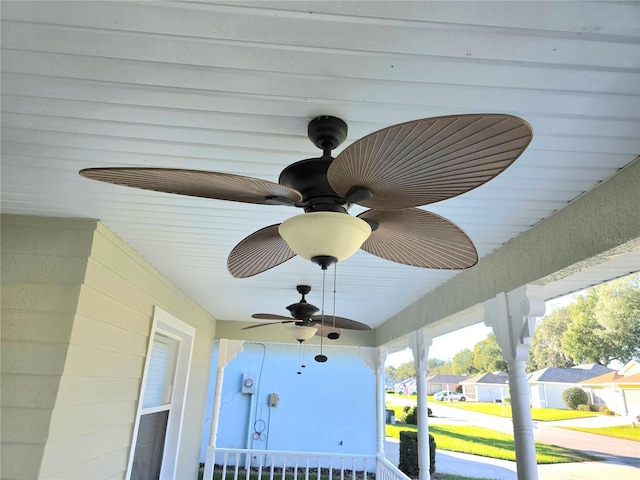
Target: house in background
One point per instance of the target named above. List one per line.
(486, 387)
(438, 383)
(547, 385)
(618, 390)
(406, 387)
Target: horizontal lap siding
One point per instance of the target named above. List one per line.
(43, 264)
(98, 393)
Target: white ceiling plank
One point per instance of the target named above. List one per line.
(332, 31)
(351, 64)
(306, 86)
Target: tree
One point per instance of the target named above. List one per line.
(605, 323)
(462, 363)
(546, 344)
(436, 366)
(487, 355)
(618, 312)
(391, 372)
(584, 340)
(405, 371)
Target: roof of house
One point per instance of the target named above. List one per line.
(455, 379)
(569, 375)
(629, 374)
(498, 378)
(613, 377)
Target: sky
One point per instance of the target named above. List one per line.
(446, 346)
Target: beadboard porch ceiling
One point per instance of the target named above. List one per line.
(231, 86)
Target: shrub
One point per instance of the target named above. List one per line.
(574, 396)
(412, 415)
(409, 454)
(402, 416)
(584, 408)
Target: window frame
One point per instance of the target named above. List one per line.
(166, 324)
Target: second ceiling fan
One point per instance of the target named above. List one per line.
(303, 314)
(390, 171)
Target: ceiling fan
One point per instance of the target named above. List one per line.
(390, 171)
(303, 314)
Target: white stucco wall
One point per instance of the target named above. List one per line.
(329, 407)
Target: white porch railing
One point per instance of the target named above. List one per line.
(240, 464)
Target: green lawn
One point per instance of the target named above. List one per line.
(489, 443)
(538, 414)
(624, 432)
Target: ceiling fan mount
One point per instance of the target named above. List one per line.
(391, 171)
(327, 132)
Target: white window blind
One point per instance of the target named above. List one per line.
(160, 372)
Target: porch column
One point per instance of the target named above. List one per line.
(420, 342)
(227, 350)
(512, 317)
(375, 358)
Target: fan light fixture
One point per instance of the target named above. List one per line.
(324, 237)
(300, 333)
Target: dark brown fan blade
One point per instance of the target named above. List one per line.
(271, 316)
(197, 183)
(265, 324)
(428, 160)
(419, 238)
(340, 322)
(259, 252)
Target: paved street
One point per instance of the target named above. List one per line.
(622, 456)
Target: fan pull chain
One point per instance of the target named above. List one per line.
(335, 274)
(322, 358)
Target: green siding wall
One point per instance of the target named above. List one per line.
(98, 308)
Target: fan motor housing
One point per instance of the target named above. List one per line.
(302, 310)
(309, 177)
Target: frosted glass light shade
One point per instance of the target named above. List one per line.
(330, 234)
(300, 333)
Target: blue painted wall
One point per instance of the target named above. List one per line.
(329, 407)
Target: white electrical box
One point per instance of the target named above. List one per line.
(249, 383)
(274, 398)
